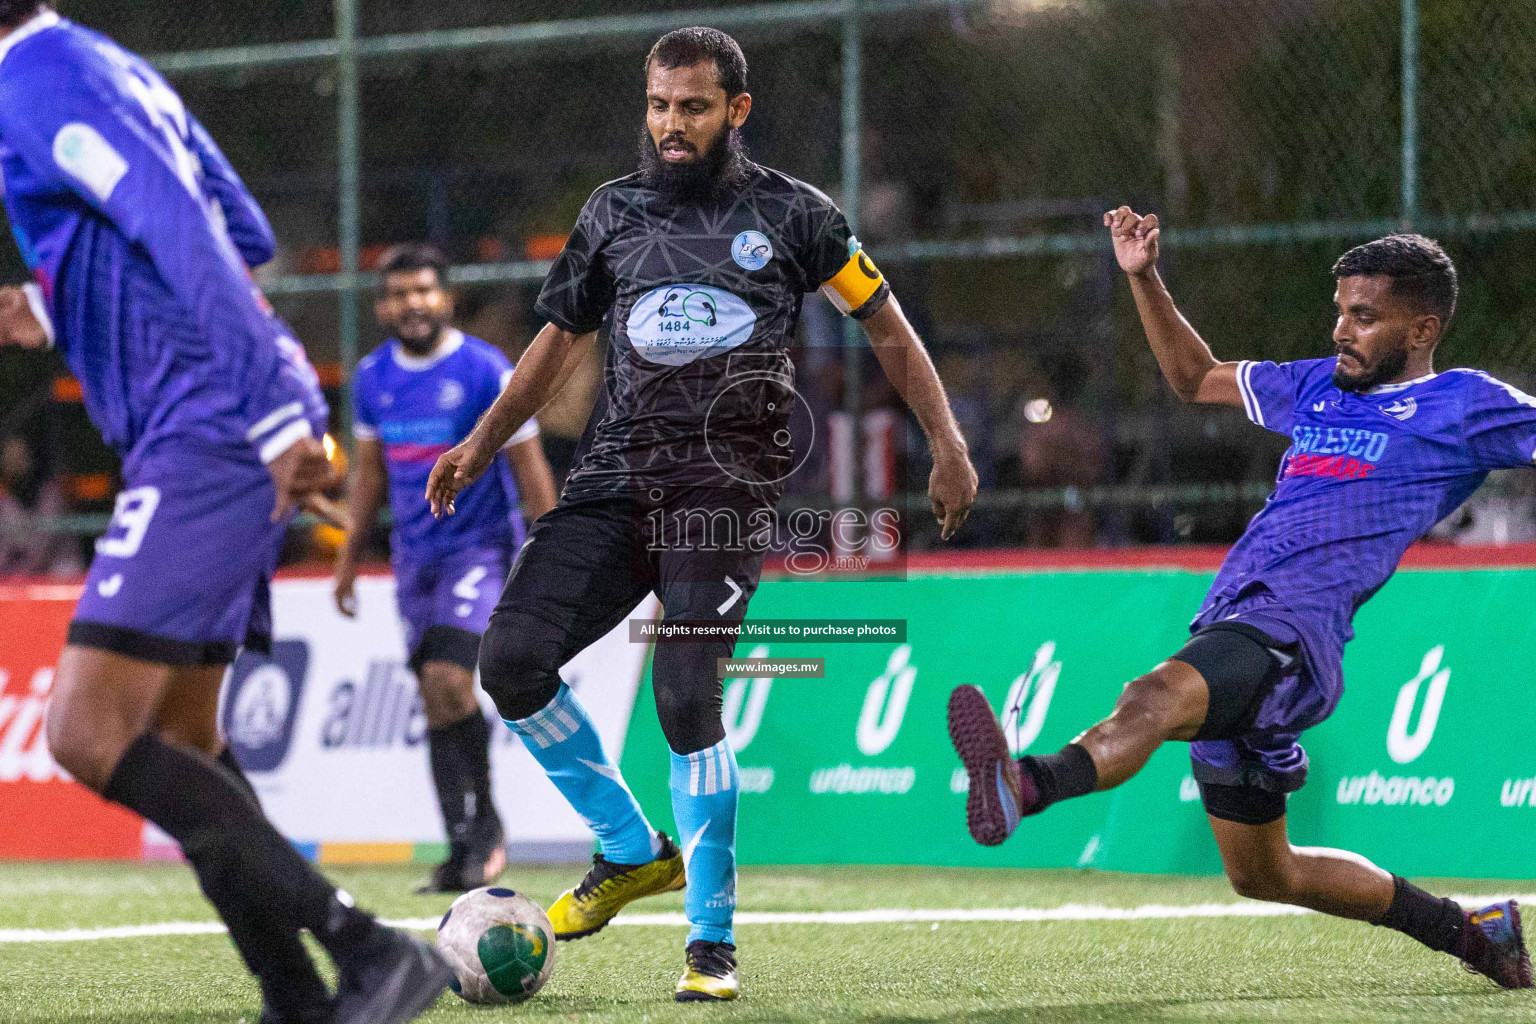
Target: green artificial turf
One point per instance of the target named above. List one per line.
(1293, 969)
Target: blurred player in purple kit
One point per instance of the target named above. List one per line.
(1382, 448)
(139, 235)
(413, 398)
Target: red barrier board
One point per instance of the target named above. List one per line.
(44, 815)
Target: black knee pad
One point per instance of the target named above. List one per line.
(519, 665)
(688, 694)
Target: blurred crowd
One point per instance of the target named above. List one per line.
(30, 494)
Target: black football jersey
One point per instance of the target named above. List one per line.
(696, 304)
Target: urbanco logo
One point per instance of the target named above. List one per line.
(885, 703)
(1029, 699)
(744, 702)
(1403, 746)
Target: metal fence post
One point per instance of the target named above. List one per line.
(1410, 199)
(347, 220)
(853, 127)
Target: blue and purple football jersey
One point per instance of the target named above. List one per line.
(449, 571)
(140, 234)
(1367, 474)
(420, 407)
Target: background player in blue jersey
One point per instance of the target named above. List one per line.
(1382, 448)
(139, 235)
(414, 397)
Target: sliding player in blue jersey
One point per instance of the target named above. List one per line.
(413, 398)
(1382, 448)
(139, 235)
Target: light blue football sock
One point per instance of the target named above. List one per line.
(705, 787)
(564, 741)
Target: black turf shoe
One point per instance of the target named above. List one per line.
(390, 981)
(472, 864)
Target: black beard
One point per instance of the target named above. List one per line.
(1390, 366)
(420, 347)
(718, 172)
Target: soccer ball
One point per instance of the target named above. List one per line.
(500, 945)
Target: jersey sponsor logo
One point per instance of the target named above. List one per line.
(83, 154)
(1344, 453)
(677, 324)
(1402, 409)
(751, 250)
(1337, 466)
(261, 706)
(431, 431)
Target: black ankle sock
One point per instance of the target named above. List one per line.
(248, 871)
(477, 755)
(1060, 776)
(1433, 920)
(461, 771)
(273, 951)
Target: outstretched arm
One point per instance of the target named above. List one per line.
(952, 487)
(1185, 359)
(540, 374)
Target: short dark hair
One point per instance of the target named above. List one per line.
(685, 47)
(14, 12)
(409, 257)
(1419, 268)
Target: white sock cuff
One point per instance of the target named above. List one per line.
(711, 770)
(554, 723)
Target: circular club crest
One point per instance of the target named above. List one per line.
(261, 707)
(751, 250)
(450, 395)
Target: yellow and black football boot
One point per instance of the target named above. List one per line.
(711, 974)
(606, 889)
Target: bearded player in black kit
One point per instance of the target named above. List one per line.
(694, 269)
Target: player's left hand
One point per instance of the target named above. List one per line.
(456, 469)
(299, 474)
(17, 324)
(952, 489)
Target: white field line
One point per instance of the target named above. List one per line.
(1069, 912)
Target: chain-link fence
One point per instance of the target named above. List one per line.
(976, 142)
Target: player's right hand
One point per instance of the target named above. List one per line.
(344, 586)
(299, 472)
(1135, 239)
(17, 324)
(456, 469)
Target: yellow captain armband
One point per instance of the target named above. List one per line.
(858, 290)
